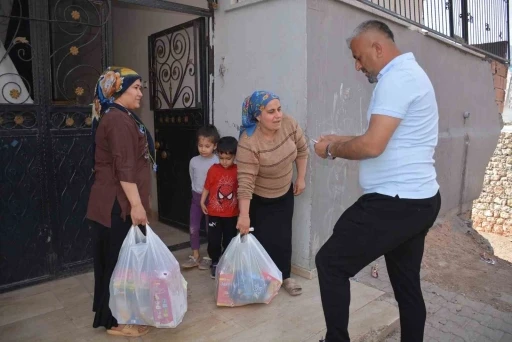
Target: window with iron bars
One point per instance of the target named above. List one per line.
(479, 24)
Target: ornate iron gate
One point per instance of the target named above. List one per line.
(53, 53)
(179, 99)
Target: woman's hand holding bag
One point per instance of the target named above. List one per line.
(243, 224)
(138, 215)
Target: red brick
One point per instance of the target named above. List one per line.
(501, 69)
(499, 82)
(493, 67)
(501, 106)
(500, 95)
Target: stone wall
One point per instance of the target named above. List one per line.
(492, 212)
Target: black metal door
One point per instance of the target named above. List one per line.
(54, 52)
(179, 99)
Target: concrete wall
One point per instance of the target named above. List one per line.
(297, 48)
(338, 97)
(131, 27)
(263, 46)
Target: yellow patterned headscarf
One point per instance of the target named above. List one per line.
(112, 83)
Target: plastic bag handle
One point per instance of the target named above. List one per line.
(136, 234)
(240, 235)
(150, 234)
(131, 239)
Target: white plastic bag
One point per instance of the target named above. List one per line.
(246, 274)
(147, 287)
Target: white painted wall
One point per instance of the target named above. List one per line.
(263, 46)
(131, 27)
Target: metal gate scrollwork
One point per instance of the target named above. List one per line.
(175, 67)
(179, 99)
(51, 54)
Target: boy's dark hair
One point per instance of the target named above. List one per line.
(208, 131)
(227, 145)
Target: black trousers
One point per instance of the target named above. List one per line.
(220, 232)
(272, 222)
(373, 226)
(107, 243)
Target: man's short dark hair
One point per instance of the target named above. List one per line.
(375, 25)
(210, 132)
(227, 145)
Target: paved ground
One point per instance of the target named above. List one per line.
(450, 316)
(61, 311)
(170, 235)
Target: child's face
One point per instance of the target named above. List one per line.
(226, 159)
(205, 146)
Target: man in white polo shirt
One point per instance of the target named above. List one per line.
(401, 197)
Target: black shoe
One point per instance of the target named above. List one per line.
(213, 269)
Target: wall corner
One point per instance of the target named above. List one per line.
(499, 74)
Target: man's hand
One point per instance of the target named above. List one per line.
(331, 137)
(321, 147)
(369, 145)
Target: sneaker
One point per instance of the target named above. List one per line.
(213, 270)
(190, 263)
(205, 263)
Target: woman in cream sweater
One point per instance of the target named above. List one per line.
(270, 142)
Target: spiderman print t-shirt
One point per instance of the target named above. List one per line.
(222, 184)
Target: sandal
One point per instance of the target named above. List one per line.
(130, 330)
(291, 286)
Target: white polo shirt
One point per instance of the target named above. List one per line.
(406, 167)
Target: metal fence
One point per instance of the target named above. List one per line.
(479, 24)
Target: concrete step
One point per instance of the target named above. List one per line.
(55, 310)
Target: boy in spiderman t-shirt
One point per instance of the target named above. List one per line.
(222, 209)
